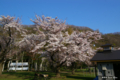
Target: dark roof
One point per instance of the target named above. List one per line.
(107, 45)
(108, 55)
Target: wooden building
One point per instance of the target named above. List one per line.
(107, 63)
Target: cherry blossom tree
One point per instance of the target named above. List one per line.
(10, 31)
(58, 46)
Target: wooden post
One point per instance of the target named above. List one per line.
(96, 69)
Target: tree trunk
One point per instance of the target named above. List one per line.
(35, 66)
(38, 66)
(16, 65)
(45, 66)
(29, 65)
(22, 61)
(22, 64)
(81, 67)
(1, 66)
(41, 66)
(73, 71)
(8, 65)
(73, 67)
(58, 72)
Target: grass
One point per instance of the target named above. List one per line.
(29, 75)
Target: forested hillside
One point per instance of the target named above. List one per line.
(111, 38)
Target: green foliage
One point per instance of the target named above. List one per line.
(79, 28)
(70, 30)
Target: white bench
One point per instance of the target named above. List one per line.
(19, 66)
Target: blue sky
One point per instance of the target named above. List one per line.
(103, 15)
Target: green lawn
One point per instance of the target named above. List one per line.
(29, 75)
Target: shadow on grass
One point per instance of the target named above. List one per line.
(21, 74)
(29, 75)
